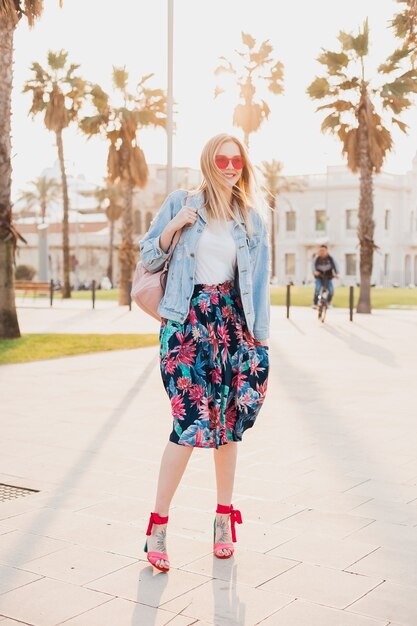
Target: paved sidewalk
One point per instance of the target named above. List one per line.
(326, 482)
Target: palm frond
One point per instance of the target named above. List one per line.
(393, 61)
(331, 122)
(335, 61)
(319, 88)
(120, 78)
(338, 105)
(248, 40)
(402, 125)
(57, 60)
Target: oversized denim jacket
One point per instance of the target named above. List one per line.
(253, 263)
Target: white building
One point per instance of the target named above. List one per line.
(326, 212)
(89, 231)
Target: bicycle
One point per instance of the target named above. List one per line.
(323, 299)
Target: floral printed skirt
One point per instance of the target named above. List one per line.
(214, 371)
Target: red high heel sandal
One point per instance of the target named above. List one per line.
(235, 518)
(153, 557)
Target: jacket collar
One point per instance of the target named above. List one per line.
(196, 201)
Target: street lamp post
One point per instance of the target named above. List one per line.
(170, 94)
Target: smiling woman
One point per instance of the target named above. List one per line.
(214, 328)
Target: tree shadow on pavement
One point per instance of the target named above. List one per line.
(362, 346)
(51, 508)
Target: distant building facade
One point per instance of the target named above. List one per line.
(327, 212)
(89, 230)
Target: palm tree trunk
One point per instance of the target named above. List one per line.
(366, 224)
(9, 326)
(110, 261)
(127, 250)
(65, 229)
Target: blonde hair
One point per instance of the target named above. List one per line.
(245, 193)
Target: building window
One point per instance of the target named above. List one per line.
(351, 219)
(407, 269)
(290, 220)
(320, 220)
(290, 264)
(350, 260)
(387, 219)
(386, 264)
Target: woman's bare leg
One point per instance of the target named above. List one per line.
(173, 463)
(225, 462)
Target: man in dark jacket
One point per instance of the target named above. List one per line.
(324, 266)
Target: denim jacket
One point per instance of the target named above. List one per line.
(253, 263)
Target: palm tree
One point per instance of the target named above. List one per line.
(353, 118)
(275, 183)
(126, 162)
(58, 92)
(11, 11)
(44, 192)
(405, 23)
(109, 198)
(254, 66)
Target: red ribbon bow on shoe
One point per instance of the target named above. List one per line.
(155, 519)
(235, 517)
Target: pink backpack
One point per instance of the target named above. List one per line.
(148, 287)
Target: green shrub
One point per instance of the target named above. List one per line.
(25, 272)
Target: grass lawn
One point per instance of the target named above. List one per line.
(386, 298)
(381, 298)
(39, 347)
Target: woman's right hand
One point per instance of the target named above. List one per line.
(186, 216)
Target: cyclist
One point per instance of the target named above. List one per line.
(324, 266)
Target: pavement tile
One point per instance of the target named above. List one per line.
(384, 490)
(140, 583)
(319, 549)
(332, 501)
(391, 602)
(10, 508)
(266, 511)
(301, 613)
(254, 568)
(227, 604)
(119, 612)
(394, 536)
(12, 578)
(262, 537)
(11, 622)
(121, 509)
(183, 550)
(17, 548)
(321, 585)
(77, 565)
(386, 511)
(34, 602)
(81, 529)
(333, 524)
(329, 480)
(196, 498)
(395, 565)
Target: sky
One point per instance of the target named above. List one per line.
(98, 36)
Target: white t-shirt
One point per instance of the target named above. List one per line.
(216, 256)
